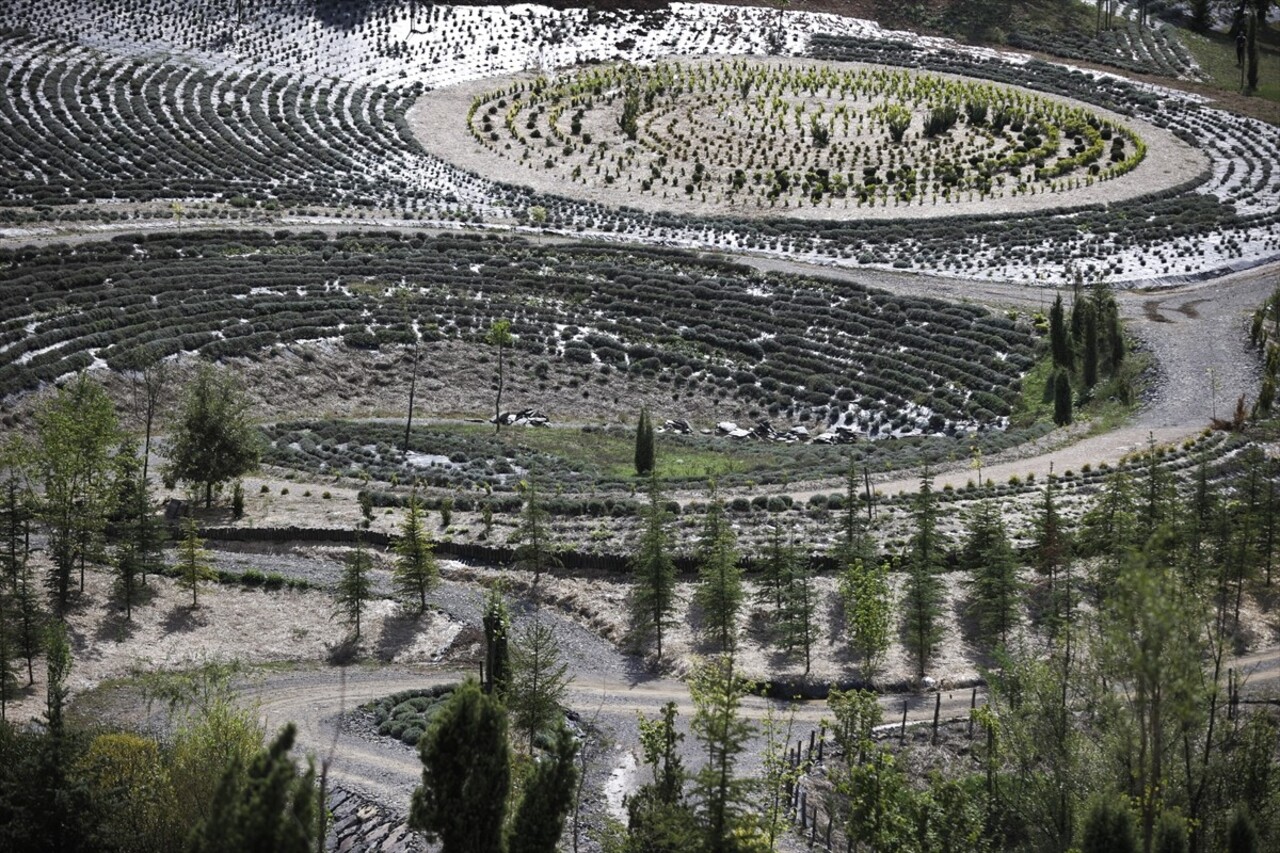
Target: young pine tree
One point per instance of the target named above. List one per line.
(922, 595)
(416, 571)
(653, 597)
(535, 552)
(539, 679)
(798, 618)
(776, 570)
(193, 566)
(355, 587)
(548, 795)
(725, 735)
(995, 590)
(720, 591)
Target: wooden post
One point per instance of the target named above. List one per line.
(804, 810)
(822, 738)
(830, 824)
(973, 706)
(808, 757)
(937, 707)
(902, 736)
(813, 826)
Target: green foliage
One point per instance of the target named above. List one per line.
(539, 819)
(922, 594)
(645, 452)
(212, 440)
(416, 570)
(654, 591)
(797, 620)
(994, 588)
(720, 592)
(354, 587)
(193, 567)
(776, 569)
(1108, 828)
(539, 679)
(499, 335)
(1062, 399)
(661, 741)
(267, 807)
(725, 735)
(75, 432)
(535, 550)
(497, 656)
(466, 774)
(1242, 837)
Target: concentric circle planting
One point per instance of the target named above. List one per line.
(792, 138)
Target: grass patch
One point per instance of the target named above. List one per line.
(1216, 53)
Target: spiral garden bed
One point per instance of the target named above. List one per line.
(216, 94)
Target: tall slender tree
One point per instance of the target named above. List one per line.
(355, 587)
(645, 451)
(718, 725)
(865, 594)
(535, 550)
(720, 591)
(995, 590)
(653, 595)
(499, 336)
(922, 597)
(539, 679)
(193, 566)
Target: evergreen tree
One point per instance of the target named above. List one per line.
(720, 590)
(1062, 402)
(776, 569)
(466, 774)
(28, 620)
(865, 591)
(661, 741)
(725, 736)
(535, 551)
(1242, 836)
(1108, 828)
(994, 586)
(127, 567)
(922, 597)
(416, 571)
(1171, 834)
(797, 622)
(539, 679)
(854, 543)
(213, 439)
(193, 566)
(497, 656)
(1108, 531)
(268, 807)
(15, 528)
(1059, 337)
(1051, 552)
(653, 597)
(539, 820)
(645, 440)
(355, 587)
(57, 668)
(1089, 347)
(8, 678)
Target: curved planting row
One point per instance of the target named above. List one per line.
(80, 127)
(1129, 46)
(769, 136)
(871, 362)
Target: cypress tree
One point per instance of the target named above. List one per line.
(1061, 398)
(466, 774)
(645, 450)
(1059, 336)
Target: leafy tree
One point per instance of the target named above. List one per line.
(355, 587)
(725, 736)
(645, 439)
(130, 790)
(416, 571)
(653, 597)
(539, 819)
(75, 431)
(922, 597)
(1242, 836)
(1108, 828)
(213, 440)
(193, 566)
(466, 774)
(535, 550)
(661, 744)
(1171, 834)
(993, 570)
(539, 678)
(268, 807)
(865, 592)
(499, 336)
(720, 590)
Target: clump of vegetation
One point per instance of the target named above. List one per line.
(407, 714)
